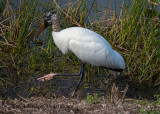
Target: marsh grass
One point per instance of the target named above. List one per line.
(135, 33)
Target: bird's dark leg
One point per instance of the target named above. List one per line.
(81, 73)
(81, 78)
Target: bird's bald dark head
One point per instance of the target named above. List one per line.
(49, 17)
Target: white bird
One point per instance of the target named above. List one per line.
(87, 45)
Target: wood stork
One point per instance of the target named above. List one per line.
(87, 45)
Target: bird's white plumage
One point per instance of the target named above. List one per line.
(88, 46)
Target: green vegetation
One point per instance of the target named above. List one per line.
(155, 104)
(144, 102)
(135, 33)
(92, 98)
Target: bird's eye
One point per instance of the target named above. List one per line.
(47, 17)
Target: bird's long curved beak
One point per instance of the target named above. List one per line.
(41, 28)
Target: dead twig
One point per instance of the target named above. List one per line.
(125, 91)
(24, 99)
(152, 2)
(115, 94)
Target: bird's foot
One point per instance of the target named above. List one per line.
(46, 77)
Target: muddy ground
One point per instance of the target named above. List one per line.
(62, 105)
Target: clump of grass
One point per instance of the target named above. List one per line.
(141, 38)
(16, 34)
(92, 98)
(143, 102)
(154, 105)
(157, 102)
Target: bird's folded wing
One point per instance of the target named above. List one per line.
(92, 52)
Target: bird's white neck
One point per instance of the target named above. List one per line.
(56, 25)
